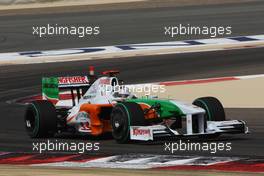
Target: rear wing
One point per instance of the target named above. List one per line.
(53, 87)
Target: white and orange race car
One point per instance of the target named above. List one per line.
(94, 106)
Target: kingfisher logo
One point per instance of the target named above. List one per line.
(73, 80)
(141, 133)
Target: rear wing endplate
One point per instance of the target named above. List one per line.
(52, 86)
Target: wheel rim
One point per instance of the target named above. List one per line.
(119, 124)
(30, 121)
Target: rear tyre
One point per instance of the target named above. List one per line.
(41, 119)
(123, 116)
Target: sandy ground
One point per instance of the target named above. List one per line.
(60, 3)
(10, 4)
(247, 93)
(6, 170)
(35, 3)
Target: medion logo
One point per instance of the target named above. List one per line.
(141, 132)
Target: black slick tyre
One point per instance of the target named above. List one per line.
(123, 116)
(40, 119)
(213, 107)
(214, 112)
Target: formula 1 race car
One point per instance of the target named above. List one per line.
(93, 106)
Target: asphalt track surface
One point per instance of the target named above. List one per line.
(132, 26)
(19, 81)
(128, 26)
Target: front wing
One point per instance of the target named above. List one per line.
(146, 133)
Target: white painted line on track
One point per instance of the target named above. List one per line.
(130, 50)
(250, 76)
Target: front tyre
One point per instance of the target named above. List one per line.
(123, 116)
(214, 111)
(213, 107)
(40, 119)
